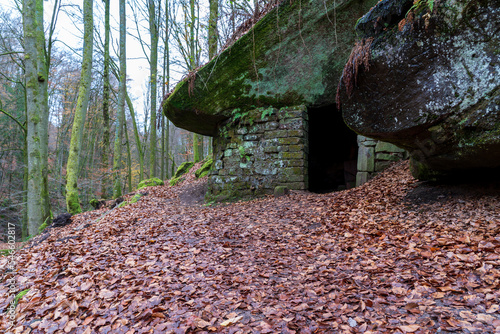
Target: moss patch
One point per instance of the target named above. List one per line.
(204, 169)
(150, 183)
(183, 169)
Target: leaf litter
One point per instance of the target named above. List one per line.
(374, 259)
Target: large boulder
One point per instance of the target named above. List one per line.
(425, 75)
(293, 56)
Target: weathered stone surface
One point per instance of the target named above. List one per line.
(366, 156)
(432, 86)
(293, 55)
(259, 164)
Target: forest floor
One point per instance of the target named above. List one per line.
(394, 255)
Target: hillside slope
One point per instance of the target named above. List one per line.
(393, 255)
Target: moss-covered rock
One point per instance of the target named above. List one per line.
(183, 169)
(427, 81)
(205, 168)
(150, 183)
(293, 55)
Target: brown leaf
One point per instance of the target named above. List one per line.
(409, 328)
(70, 326)
(231, 321)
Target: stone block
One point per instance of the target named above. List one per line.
(252, 137)
(365, 141)
(296, 133)
(218, 164)
(387, 157)
(280, 191)
(271, 149)
(266, 170)
(276, 134)
(296, 148)
(362, 177)
(366, 159)
(383, 146)
(271, 125)
(296, 185)
(291, 155)
(242, 131)
(290, 141)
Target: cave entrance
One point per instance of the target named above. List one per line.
(333, 151)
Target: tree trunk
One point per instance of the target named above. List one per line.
(105, 102)
(72, 199)
(213, 35)
(137, 138)
(117, 187)
(153, 30)
(34, 113)
(129, 160)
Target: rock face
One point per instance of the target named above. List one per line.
(426, 77)
(293, 56)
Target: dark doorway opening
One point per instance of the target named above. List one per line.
(333, 151)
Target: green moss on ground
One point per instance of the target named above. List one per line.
(150, 183)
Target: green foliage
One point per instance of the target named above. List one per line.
(239, 116)
(20, 295)
(150, 183)
(266, 112)
(45, 223)
(5, 252)
(421, 5)
(243, 153)
(94, 202)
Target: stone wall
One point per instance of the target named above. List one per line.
(374, 156)
(258, 150)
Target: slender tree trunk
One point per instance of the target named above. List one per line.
(213, 35)
(105, 102)
(197, 140)
(117, 187)
(137, 138)
(129, 160)
(72, 199)
(153, 30)
(24, 225)
(166, 86)
(34, 115)
(43, 62)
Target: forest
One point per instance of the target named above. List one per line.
(245, 167)
(92, 138)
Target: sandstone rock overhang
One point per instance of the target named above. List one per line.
(426, 76)
(294, 55)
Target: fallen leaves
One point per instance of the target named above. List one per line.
(371, 259)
